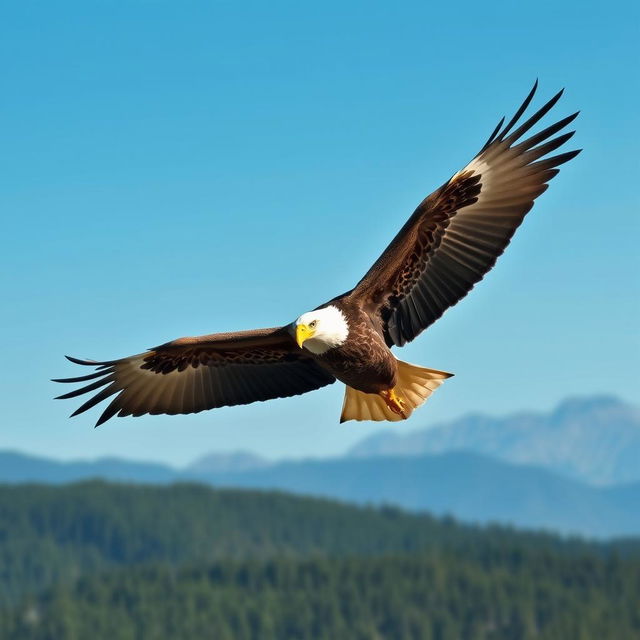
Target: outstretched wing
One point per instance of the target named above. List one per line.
(457, 233)
(190, 375)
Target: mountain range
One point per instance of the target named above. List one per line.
(596, 440)
(469, 486)
(574, 470)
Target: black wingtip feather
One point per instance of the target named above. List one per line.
(536, 117)
(520, 111)
(91, 363)
(550, 145)
(548, 132)
(94, 400)
(112, 408)
(493, 134)
(499, 134)
(91, 376)
(556, 161)
(90, 387)
(82, 362)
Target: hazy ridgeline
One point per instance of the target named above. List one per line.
(571, 470)
(121, 561)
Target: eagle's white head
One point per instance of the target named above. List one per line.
(321, 330)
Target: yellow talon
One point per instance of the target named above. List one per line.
(394, 402)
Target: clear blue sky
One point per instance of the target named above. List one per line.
(174, 169)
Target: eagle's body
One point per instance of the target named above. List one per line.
(449, 243)
(363, 361)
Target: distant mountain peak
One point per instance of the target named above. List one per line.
(595, 439)
(586, 405)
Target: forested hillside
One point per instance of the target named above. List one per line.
(124, 561)
(52, 534)
(469, 486)
(518, 596)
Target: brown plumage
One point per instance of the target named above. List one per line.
(190, 375)
(450, 242)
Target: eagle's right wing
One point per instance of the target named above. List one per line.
(190, 375)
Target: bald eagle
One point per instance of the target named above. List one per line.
(448, 244)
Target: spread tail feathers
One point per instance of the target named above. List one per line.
(415, 384)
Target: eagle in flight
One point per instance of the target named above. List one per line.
(448, 244)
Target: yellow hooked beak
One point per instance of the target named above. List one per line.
(303, 332)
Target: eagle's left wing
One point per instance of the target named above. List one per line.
(190, 375)
(457, 233)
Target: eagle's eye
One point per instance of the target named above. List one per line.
(313, 324)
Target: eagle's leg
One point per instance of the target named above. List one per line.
(394, 402)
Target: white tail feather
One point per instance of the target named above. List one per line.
(415, 384)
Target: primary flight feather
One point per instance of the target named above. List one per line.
(450, 242)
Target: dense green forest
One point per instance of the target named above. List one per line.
(537, 595)
(120, 561)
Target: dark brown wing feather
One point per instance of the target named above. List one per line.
(457, 233)
(190, 375)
